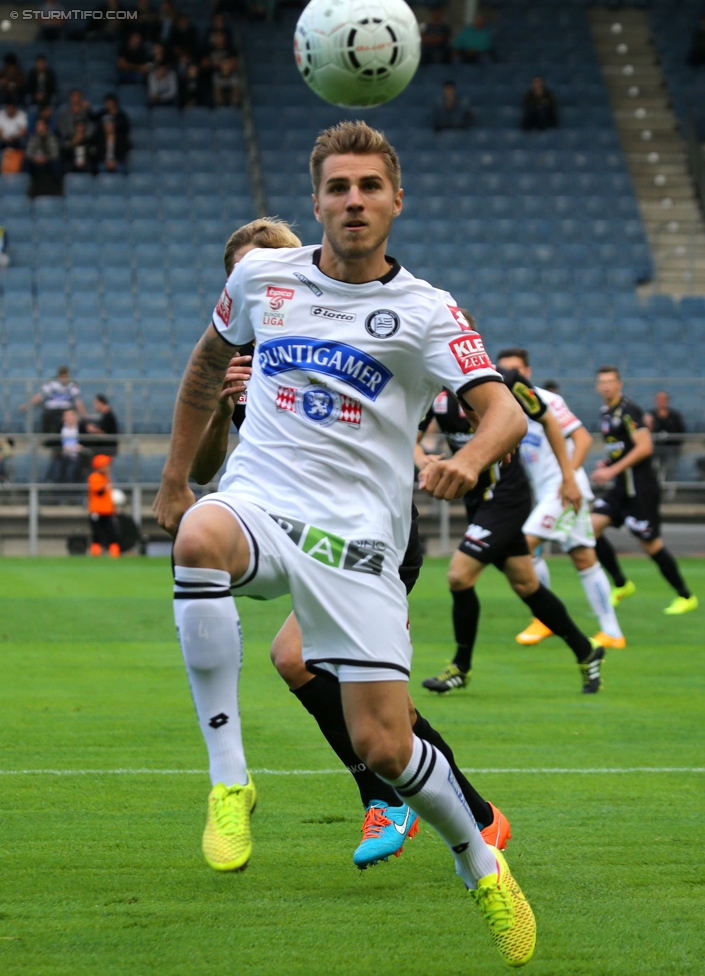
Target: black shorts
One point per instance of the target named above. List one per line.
(640, 512)
(413, 557)
(495, 532)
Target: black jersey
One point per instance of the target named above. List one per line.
(618, 424)
(503, 483)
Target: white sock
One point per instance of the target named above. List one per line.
(428, 786)
(542, 571)
(597, 590)
(208, 626)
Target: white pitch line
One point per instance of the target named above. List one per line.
(334, 772)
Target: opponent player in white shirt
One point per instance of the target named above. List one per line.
(316, 501)
(549, 520)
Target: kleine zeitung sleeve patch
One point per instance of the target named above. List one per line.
(470, 353)
(224, 307)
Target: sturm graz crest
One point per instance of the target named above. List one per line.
(319, 405)
(382, 323)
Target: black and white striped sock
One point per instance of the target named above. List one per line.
(428, 786)
(208, 626)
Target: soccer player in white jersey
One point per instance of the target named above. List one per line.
(316, 501)
(388, 820)
(549, 520)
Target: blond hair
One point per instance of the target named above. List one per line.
(359, 139)
(263, 232)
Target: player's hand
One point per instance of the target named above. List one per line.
(570, 494)
(428, 459)
(447, 479)
(170, 504)
(601, 475)
(235, 382)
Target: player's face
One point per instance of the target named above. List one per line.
(609, 386)
(356, 203)
(515, 362)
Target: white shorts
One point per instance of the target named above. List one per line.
(348, 597)
(549, 520)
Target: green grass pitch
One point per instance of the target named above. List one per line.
(102, 874)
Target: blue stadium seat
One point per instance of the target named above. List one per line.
(125, 360)
(149, 255)
(50, 280)
(117, 279)
(84, 280)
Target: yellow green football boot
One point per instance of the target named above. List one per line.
(227, 839)
(507, 913)
(682, 604)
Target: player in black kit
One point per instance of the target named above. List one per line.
(497, 508)
(634, 499)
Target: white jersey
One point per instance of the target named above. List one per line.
(539, 460)
(342, 375)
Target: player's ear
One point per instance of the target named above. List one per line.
(398, 202)
(316, 210)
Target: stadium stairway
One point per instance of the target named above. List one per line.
(654, 148)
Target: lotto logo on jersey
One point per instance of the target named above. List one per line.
(224, 306)
(277, 296)
(457, 314)
(470, 353)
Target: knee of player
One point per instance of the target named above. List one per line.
(524, 588)
(381, 753)
(458, 579)
(190, 548)
(287, 659)
(583, 558)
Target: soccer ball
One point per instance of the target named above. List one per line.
(357, 52)
(119, 498)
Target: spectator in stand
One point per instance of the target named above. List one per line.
(133, 60)
(111, 153)
(665, 424)
(55, 397)
(451, 111)
(193, 87)
(69, 468)
(226, 82)
(435, 39)
(218, 23)
(13, 126)
(217, 52)
(147, 21)
(11, 79)
(80, 155)
(162, 86)
(540, 108)
(41, 86)
(168, 15)
(697, 50)
(105, 28)
(42, 111)
(475, 42)
(43, 162)
(184, 37)
(104, 423)
(111, 107)
(76, 110)
(51, 29)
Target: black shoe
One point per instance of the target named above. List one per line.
(590, 670)
(447, 679)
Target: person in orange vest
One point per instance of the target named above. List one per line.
(102, 508)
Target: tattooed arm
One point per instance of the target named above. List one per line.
(197, 398)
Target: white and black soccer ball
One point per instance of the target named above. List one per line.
(357, 53)
(119, 498)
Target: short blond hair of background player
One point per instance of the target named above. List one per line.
(263, 232)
